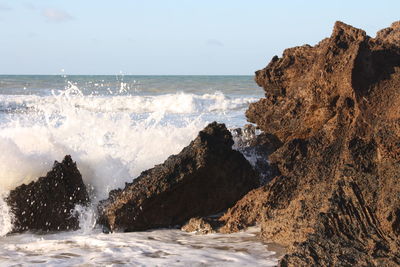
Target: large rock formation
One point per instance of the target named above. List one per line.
(48, 203)
(336, 108)
(205, 178)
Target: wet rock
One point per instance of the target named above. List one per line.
(205, 178)
(245, 136)
(257, 147)
(48, 203)
(204, 225)
(335, 107)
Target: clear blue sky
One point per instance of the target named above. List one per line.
(169, 37)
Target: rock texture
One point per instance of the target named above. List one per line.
(205, 178)
(336, 108)
(48, 203)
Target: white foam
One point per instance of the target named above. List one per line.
(177, 103)
(150, 248)
(5, 216)
(87, 217)
(112, 138)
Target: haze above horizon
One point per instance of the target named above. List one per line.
(158, 37)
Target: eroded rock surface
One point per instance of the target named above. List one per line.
(336, 108)
(205, 178)
(48, 203)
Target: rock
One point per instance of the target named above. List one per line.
(390, 35)
(246, 212)
(335, 107)
(204, 225)
(48, 203)
(243, 137)
(205, 178)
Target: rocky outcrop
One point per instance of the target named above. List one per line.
(205, 178)
(48, 203)
(335, 107)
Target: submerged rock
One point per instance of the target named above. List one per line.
(335, 107)
(48, 203)
(205, 178)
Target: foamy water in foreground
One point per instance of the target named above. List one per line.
(150, 248)
(114, 130)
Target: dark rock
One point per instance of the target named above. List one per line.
(335, 107)
(48, 203)
(205, 178)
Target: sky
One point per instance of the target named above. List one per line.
(170, 37)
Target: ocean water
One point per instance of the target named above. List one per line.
(115, 127)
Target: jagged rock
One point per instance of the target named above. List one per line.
(335, 107)
(205, 178)
(48, 203)
(390, 34)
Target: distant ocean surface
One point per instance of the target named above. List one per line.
(115, 127)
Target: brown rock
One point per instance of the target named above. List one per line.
(390, 34)
(48, 203)
(205, 178)
(335, 107)
(204, 225)
(246, 212)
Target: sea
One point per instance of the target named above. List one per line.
(115, 127)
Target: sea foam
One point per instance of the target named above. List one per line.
(5, 216)
(149, 248)
(112, 138)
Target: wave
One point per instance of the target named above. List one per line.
(5, 216)
(178, 103)
(112, 138)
